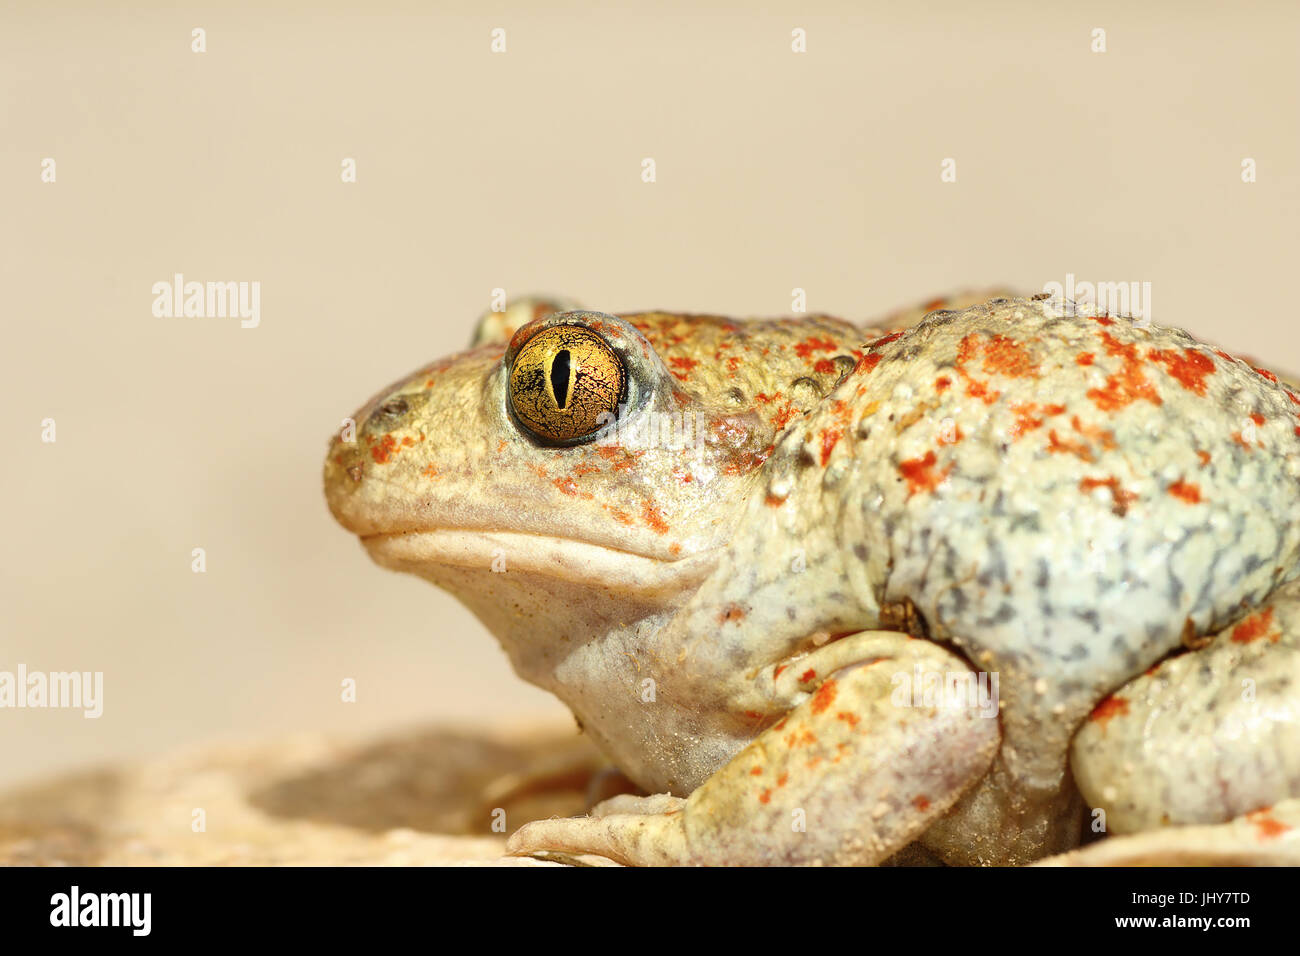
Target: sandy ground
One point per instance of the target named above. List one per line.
(426, 796)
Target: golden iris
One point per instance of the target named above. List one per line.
(566, 384)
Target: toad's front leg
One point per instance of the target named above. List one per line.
(851, 775)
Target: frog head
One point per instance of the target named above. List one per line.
(580, 477)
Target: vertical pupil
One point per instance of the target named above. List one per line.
(560, 377)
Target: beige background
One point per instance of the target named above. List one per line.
(522, 171)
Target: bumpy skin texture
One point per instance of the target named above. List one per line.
(1021, 489)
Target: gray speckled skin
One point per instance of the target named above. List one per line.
(1030, 491)
(1205, 736)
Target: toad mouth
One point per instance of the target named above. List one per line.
(577, 562)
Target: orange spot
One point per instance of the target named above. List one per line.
(1126, 386)
(566, 485)
(825, 696)
(849, 718)
(823, 367)
(1266, 374)
(883, 340)
(807, 675)
(1006, 356)
(782, 780)
(1254, 627)
(653, 517)
(981, 391)
(1085, 358)
(686, 365)
(921, 803)
(806, 348)
(756, 771)
(1025, 420)
(733, 612)
(619, 514)
(1103, 319)
(772, 501)
(951, 439)
(1204, 456)
(1094, 433)
(1120, 499)
(1236, 436)
(765, 796)
(1270, 828)
(1257, 418)
(1109, 709)
(385, 450)
(942, 382)
(430, 471)
(867, 363)
(1186, 490)
(920, 473)
(783, 417)
(1189, 369)
(829, 437)
(1066, 446)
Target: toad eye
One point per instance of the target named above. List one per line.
(566, 384)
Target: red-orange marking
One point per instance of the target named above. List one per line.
(1189, 369)
(1025, 420)
(1120, 499)
(806, 348)
(1065, 445)
(1109, 709)
(825, 696)
(653, 517)
(1270, 828)
(732, 612)
(1254, 627)
(1006, 356)
(921, 475)
(1126, 386)
(1186, 490)
(687, 365)
(829, 438)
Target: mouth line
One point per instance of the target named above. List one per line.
(578, 562)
